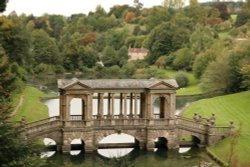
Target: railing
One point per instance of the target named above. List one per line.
(76, 121)
(76, 117)
(43, 121)
(220, 130)
(191, 124)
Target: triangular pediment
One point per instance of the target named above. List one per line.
(77, 86)
(162, 85)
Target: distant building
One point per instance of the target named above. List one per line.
(137, 53)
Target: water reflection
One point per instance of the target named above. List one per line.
(136, 158)
(114, 152)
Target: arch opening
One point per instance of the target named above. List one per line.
(161, 143)
(77, 146)
(188, 142)
(159, 107)
(50, 145)
(117, 145)
(76, 109)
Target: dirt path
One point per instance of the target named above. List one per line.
(18, 105)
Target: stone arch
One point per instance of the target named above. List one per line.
(196, 137)
(102, 134)
(78, 135)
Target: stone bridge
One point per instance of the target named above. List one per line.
(135, 115)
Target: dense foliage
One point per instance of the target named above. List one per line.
(96, 45)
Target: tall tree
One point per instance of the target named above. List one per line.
(166, 38)
(3, 5)
(122, 56)
(45, 49)
(109, 57)
(173, 4)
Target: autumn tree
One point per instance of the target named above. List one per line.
(129, 16)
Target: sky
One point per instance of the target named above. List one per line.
(67, 7)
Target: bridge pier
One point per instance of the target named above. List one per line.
(150, 146)
(66, 149)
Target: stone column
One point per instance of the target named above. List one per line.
(62, 102)
(88, 109)
(172, 105)
(167, 109)
(67, 108)
(142, 106)
(135, 107)
(109, 105)
(125, 105)
(131, 106)
(150, 106)
(112, 105)
(100, 106)
(121, 105)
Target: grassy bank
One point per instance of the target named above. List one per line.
(32, 108)
(234, 107)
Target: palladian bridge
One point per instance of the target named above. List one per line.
(129, 108)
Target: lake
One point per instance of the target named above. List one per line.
(184, 157)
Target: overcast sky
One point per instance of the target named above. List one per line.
(67, 7)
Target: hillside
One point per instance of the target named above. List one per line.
(234, 107)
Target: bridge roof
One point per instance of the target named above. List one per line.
(117, 83)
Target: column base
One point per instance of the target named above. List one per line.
(150, 146)
(66, 149)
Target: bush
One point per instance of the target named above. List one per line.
(182, 79)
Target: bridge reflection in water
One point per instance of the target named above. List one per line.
(135, 116)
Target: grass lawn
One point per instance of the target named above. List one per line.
(32, 108)
(190, 90)
(193, 86)
(234, 107)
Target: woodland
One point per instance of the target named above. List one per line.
(209, 40)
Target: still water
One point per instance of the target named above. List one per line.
(184, 157)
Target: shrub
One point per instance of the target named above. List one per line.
(182, 79)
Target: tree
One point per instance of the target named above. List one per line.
(245, 72)
(242, 18)
(202, 38)
(155, 16)
(109, 57)
(129, 16)
(222, 7)
(202, 61)
(216, 76)
(196, 12)
(182, 79)
(45, 49)
(14, 39)
(119, 10)
(174, 4)
(57, 23)
(166, 38)
(184, 58)
(116, 37)
(3, 5)
(122, 56)
(161, 62)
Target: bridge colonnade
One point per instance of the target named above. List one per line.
(134, 116)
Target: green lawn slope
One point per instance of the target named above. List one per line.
(32, 108)
(234, 107)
